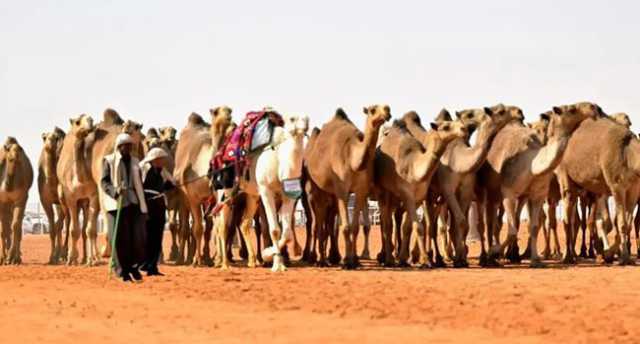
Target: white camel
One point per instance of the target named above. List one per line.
(275, 170)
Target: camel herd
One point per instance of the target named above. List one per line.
(574, 155)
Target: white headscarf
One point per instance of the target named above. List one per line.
(123, 139)
(153, 154)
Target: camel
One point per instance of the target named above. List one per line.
(269, 171)
(455, 176)
(341, 162)
(404, 167)
(519, 168)
(606, 166)
(16, 177)
(197, 145)
(77, 187)
(48, 190)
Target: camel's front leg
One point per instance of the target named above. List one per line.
(198, 233)
(272, 252)
(92, 232)
(245, 228)
(53, 233)
(534, 207)
(366, 227)
(5, 233)
(286, 215)
(510, 208)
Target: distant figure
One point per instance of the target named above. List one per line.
(122, 184)
(156, 180)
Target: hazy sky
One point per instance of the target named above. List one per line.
(156, 61)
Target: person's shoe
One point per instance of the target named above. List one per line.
(136, 275)
(144, 267)
(126, 278)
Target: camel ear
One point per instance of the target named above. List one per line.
(44, 136)
(458, 114)
(72, 121)
(365, 110)
(214, 111)
(545, 117)
(488, 111)
(139, 126)
(557, 110)
(433, 126)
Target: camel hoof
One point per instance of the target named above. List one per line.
(493, 263)
(439, 263)
(482, 260)
(225, 267)
(312, 258)
(623, 261)
(380, 257)
(569, 260)
(335, 259)
(322, 263)
(403, 264)
(537, 264)
(350, 264)
(278, 264)
(388, 263)
(365, 255)
(583, 252)
(460, 263)
(525, 255)
(208, 261)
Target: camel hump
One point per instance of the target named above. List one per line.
(59, 132)
(11, 141)
(315, 132)
(195, 120)
(400, 125)
(152, 132)
(111, 117)
(340, 114)
(444, 115)
(411, 116)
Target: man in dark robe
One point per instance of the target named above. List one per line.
(126, 206)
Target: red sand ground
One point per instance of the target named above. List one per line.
(58, 304)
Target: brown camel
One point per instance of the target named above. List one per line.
(519, 168)
(455, 177)
(404, 167)
(341, 163)
(16, 177)
(197, 145)
(77, 187)
(609, 165)
(48, 190)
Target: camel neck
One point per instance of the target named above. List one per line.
(425, 165)
(465, 159)
(290, 153)
(49, 166)
(550, 155)
(632, 153)
(217, 133)
(365, 150)
(79, 164)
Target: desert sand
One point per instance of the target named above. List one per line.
(514, 304)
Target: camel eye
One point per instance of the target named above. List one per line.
(446, 128)
(469, 115)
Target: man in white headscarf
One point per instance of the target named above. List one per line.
(122, 184)
(157, 181)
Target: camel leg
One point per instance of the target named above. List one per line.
(58, 225)
(510, 208)
(431, 213)
(460, 226)
(72, 258)
(245, 228)
(287, 215)
(53, 232)
(636, 226)
(297, 248)
(552, 219)
(206, 244)
(310, 237)
(398, 219)
(174, 228)
(583, 227)
(183, 235)
(534, 209)
(333, 229)
(319, 229)
(352, 257)
(546, 231)
(386, 224)
(419, 229)
(16, 233)
(273, 252)
(222, 226)
(198, 233)
(622, 226)
(5, 233)
(344, 228)
(83, 233)
(66, 220)
(91, 230)
(366, 227)
(568, 204)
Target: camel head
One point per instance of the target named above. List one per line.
(168, 135)
(447, 131)
(541, 126)
(151, 140)
(134, 129)
(81, 126)
(622, 119)
(220, 118)
(377, 115)
(565, 119)
(296, 126)
(12, 153)
(52, 140)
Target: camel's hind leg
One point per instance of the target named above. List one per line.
(174, 228)
(74, 213)
(91, 228)
(16, 233)
(53, 232)
(366, 227)
(5, 233)
(198, 233)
